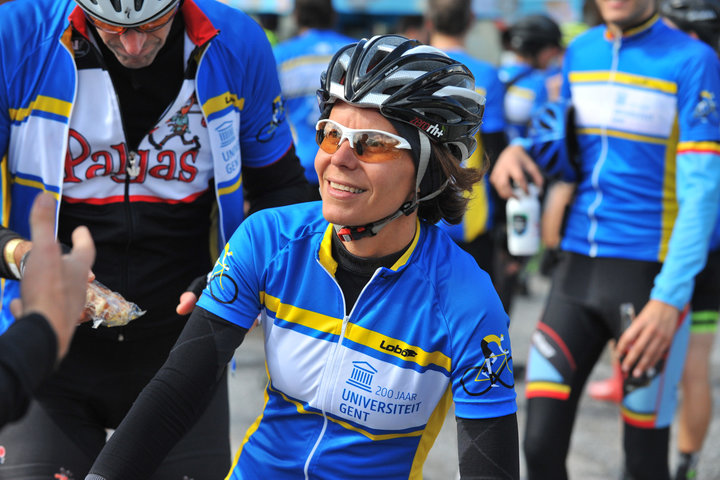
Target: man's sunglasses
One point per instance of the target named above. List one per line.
(144, 28)
(371, 146)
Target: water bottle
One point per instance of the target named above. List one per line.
(523, 222)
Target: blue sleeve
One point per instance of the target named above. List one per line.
(234, 286)
(265, 134)
(697, 179)
(482, 378)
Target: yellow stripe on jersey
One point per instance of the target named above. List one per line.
(305, 60)
(669, 196)
(301, 316)
(405, 256)
(521, 92)
(699, 147)
(476, 215)
(374, 340)
(42, 104)
(629, 79)
(430, 434)
(625, 135)
(231, 188)
(221, 102)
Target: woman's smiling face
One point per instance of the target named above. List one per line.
(355, 192)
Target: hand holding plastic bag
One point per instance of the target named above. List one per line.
(108, 308)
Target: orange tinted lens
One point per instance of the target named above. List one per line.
(328, 138)
(145, 27)
(106, 27)
(375, 148)
(157, 24)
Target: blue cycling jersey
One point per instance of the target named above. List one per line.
(479, 215)
(362, 395)
(525, 91)
(648, 132)
(300, 61)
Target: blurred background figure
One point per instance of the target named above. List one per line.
(700, 19)
(270, 23)
(536, 41)
(448, 22)
(300, 61)
(413, 27)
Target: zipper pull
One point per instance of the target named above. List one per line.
(133, 169)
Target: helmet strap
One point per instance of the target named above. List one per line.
(348, 233)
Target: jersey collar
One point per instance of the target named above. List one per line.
(637, 29)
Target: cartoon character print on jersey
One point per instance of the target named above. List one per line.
(267, 132)
(179, 125)
(495, 370)
(169, 165)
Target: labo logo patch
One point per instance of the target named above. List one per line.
(405, 352)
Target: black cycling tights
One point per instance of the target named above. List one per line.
(581, 315)
(546, 459)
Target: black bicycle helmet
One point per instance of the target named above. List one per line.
(411, 84)
(127, 13)
(531, 34)
(699, 16)
(553, 141)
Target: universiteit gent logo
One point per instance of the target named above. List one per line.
(362, 376)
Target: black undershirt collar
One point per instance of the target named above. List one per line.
(354, 272)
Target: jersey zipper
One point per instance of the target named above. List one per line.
(328, 381)
(595, 178)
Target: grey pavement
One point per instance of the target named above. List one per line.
(595, 452)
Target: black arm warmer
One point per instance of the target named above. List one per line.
(488, 448)
(172, 401)
(280, 183)
(27, 355)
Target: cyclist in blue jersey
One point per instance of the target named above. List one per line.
(648, 187)
(300, 61)
(153, 123)
(449, 22)
(536, 41)
(701, 19)
(370, 334)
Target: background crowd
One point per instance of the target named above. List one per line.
(571, 92)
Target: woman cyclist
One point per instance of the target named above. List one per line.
(370, 333)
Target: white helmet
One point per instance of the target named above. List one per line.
(127, 13)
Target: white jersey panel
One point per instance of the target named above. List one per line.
(624, 108)
(350, 384)
(172, 163)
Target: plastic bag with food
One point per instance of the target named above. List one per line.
(108, 308)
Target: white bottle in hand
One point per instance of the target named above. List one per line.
(523, 222)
